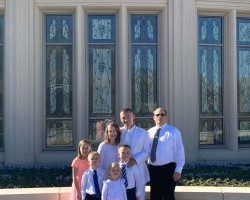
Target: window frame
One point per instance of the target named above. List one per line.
(240, 46)
(2, 134)
(145, 120)
(45, 147)
(222, 45)
(92, 44)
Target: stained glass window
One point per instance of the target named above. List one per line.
(210, 30)
(211, 131)
(243, 77)
(101, 39)
(102, 80)
(1, 79)
(143, 28)
(101, 28)
(143, 33)
(59, 121)
(243, 80)
(243, 31)
(210, 80)
(244, 131)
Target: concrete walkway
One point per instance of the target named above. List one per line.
(182, 193)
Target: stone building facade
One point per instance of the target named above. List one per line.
(66, 66)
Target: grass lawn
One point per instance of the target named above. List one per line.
(228, 175)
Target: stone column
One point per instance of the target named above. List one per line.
(81, 113)
(123, 93)
(182, 73)
(19, 83)
(230, 68)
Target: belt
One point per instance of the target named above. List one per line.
(131, 189)
(93, 196)
(164, 165)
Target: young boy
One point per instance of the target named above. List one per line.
(92, 179)
(131, 175)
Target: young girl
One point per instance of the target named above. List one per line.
(108, 149)
(113, 188)
(79, 166)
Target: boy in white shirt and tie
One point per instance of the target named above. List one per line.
(131, 175)
(92, 179)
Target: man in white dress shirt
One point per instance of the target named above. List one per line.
(138, 139)
(167, 157)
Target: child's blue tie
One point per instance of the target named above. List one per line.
(97, 189)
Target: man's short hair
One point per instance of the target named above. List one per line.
(125, 110)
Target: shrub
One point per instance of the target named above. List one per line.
(227, 175)
(224, 174)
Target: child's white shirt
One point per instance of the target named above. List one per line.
(134, 179)
(114, 190)
(87, 185)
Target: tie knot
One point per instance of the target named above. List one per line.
(157, 133)
(123, 165)
(95, 171)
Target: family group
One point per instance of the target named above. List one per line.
(128, 159)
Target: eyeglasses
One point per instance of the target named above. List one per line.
(160, 114)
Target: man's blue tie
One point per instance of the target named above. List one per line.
(154, 145)
(124, 175)
(97, 189)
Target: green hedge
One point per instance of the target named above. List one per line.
(228, 175)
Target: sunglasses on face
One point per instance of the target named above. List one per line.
(160, 114)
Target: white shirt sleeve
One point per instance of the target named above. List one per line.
(104, 191)
(138, 181)
(84, 184)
